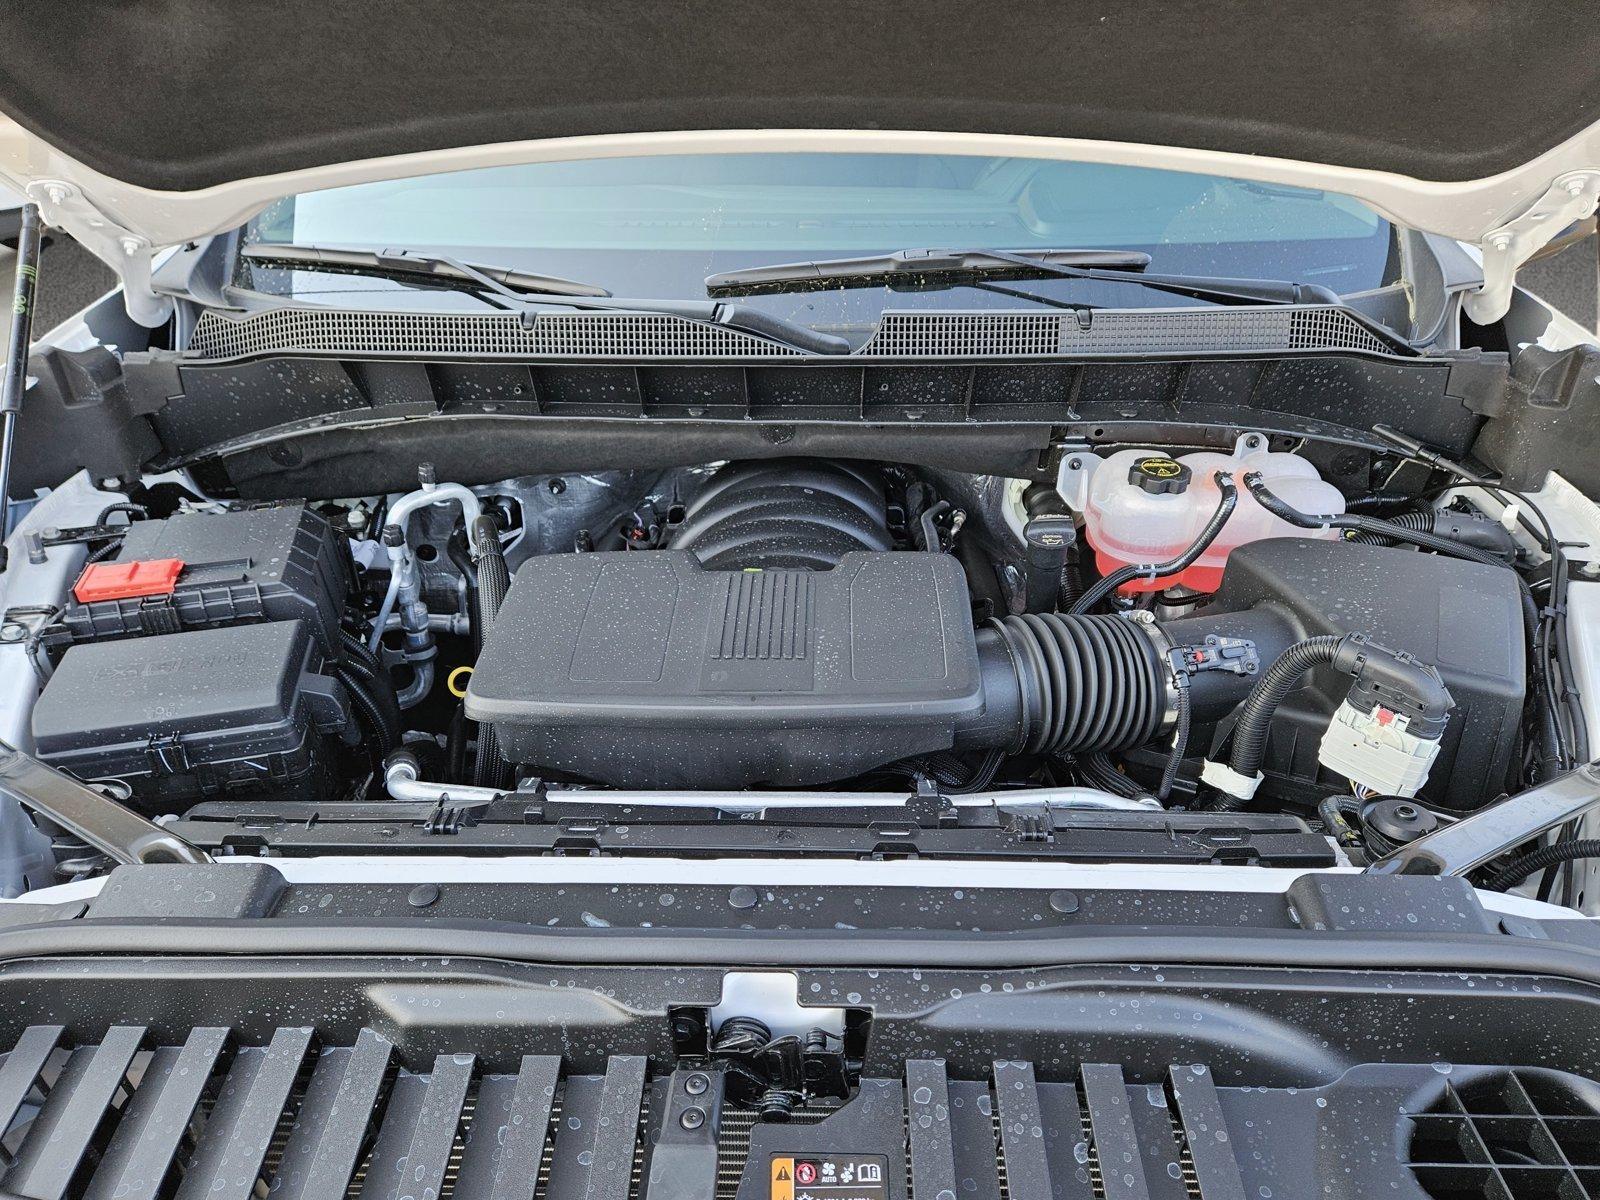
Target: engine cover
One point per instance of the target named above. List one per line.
(644, 669)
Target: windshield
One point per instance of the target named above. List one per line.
(657, 226)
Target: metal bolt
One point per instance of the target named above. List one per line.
(131, 246)
(1501, 242)
(557, 486)
(692, 1118)
(12, 632)
(1064, 902)
(697, 1084)
(1575, 187)
(1075, 464)
(743, 897)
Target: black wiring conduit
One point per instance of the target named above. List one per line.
(1255, 717)
(1538, 860)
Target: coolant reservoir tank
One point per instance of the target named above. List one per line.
(1144, 507)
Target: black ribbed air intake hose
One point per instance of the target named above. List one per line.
(494, 581)
(1538, 860)
(1084, 683)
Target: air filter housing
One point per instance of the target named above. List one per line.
(644, 669)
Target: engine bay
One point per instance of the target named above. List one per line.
(1155, 629)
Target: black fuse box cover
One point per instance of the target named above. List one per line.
(260, 564)
(643, 669)
(206, 714)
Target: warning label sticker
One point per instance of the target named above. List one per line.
(829, 1177)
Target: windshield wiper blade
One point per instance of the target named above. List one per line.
(403, 265)
(1113, 266)
(520, 289)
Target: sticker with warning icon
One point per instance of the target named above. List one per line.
(829, 1177)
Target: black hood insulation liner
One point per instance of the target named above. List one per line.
(1449, 92)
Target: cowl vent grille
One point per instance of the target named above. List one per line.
(1510, 1135)
(1113, 331)
(468, 335)
(900, 335)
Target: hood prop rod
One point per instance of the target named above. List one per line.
(15, 379)
(113, 829)
(1469, 843)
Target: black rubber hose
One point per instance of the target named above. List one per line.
(1110, 583)
(1491, 537)
(456, 548)
(1538, 860)
(1084, 683)
(1250, 731)
(456, 746)
(1374, 526)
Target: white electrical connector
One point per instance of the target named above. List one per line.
(1377, 750)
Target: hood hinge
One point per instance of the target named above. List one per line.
(1572, 197)
(65, 206)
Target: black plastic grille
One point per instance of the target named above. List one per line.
(900, 335)
(1113, 331)
(295, 1116)
(131, 1117)
(1512, 1135)
(557, 335)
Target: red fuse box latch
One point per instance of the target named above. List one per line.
(127, 580)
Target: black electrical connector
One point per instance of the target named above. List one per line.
(1390, 680)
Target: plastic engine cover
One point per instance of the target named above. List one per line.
(643, 669)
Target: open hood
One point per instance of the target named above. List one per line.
(140, 125)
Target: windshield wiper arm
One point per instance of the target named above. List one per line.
(1113, 266)
(403, 265)
(519, 289)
